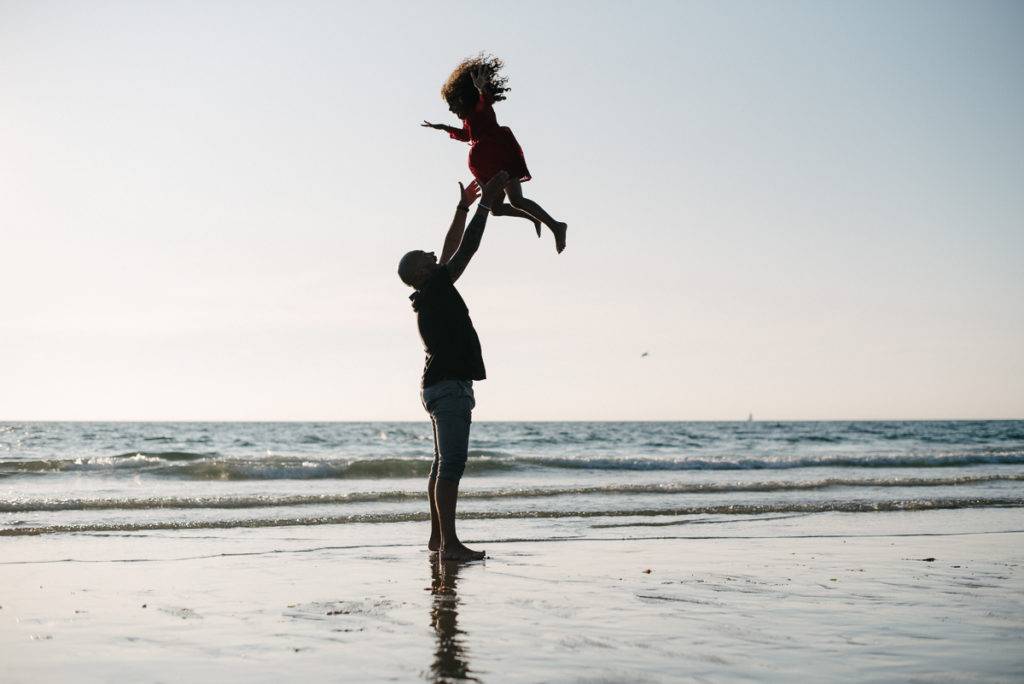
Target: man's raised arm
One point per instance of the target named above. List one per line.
(467, 195)
(475, 231)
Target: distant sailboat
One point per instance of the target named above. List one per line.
(750, 417)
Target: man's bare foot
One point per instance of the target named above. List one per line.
(536, 226)
(559, 230)
(434, 544)
(460, 552)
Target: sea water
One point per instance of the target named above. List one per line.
(104, 477)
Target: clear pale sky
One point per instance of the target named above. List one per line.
(803, 210)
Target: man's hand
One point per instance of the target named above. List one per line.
(475, 230)
(468, 195)
(438, 127)
(493, 189)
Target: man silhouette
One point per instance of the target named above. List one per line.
(453, 358)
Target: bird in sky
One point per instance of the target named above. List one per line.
(644, 355)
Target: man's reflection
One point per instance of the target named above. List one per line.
(450, 658)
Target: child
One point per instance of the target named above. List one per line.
(470, 92)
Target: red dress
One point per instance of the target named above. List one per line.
(493, 148)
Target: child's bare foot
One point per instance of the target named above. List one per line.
(559, 229)
(460, 552)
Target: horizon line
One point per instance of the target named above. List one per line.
(524, 420)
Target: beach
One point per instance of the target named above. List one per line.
(904, 596)
(688, 334)
(618, 552)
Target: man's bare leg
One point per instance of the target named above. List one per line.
(435, 526)
(446, 497)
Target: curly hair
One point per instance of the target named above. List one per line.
(460, 93)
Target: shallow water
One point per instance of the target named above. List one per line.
(58, 477)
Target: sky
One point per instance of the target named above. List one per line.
(800, 210)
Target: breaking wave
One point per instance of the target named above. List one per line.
(278, 501)
(212, 466)
(730, 509)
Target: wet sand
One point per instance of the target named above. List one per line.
(934, 596)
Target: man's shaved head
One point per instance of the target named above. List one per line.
(416, 266)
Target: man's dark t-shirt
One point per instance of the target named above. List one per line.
(451, 343)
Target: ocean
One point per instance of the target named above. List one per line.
(105, 477)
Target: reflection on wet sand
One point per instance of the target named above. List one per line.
(451, 661)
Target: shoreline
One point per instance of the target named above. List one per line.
(833, 596)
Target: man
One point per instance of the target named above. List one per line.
(453, 359)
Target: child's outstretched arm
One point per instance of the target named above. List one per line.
(479, 80)
(480, 83)
(456, 133)
(467, 195)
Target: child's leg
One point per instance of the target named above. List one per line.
(516, 199)
(501, 208)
